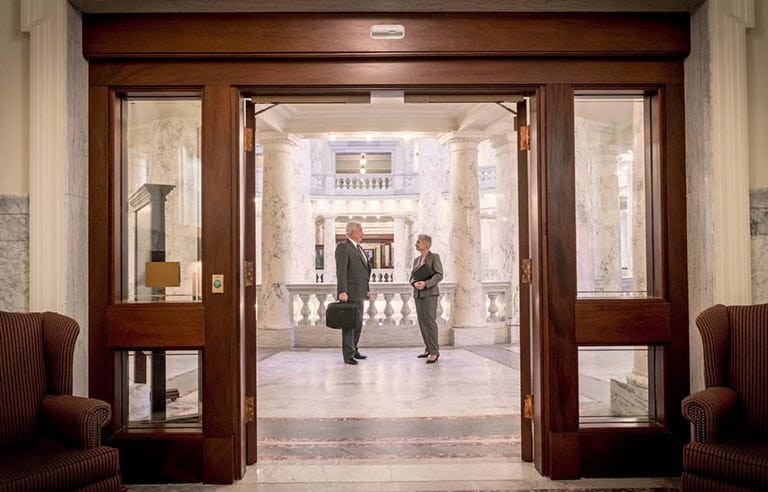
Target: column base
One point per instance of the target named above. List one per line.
(275, 337)
(482, 335)
(628, 398)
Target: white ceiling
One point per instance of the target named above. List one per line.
(364, 120)
(209, 6)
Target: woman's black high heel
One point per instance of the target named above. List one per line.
(423, 356)
(432, 361)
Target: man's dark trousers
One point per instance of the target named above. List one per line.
(350, 337)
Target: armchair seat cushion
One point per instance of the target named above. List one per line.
(739, 463)
(50, 466)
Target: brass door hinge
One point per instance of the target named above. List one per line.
(526, 271)
(249, 409)
(249, 273)
(524, 137)
(528, 406)
(248, 139)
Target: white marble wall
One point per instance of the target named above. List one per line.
(76, 302)
(166, 150)
(14, 252)
(506, 224)
(699, 186)
(465, 246)
(433, 208)
(304, 261)
(600, 148)
(759, 232)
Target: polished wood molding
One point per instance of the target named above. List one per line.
(160, 455)
(348, 35)
(564, 452)
(219, 460)
(622, 322)
(442, 73)
(155, 326)
(630, 450)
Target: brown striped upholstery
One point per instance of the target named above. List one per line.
(49, 439)
(730, 417)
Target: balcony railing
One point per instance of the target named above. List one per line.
(376, 184)
(365, 184)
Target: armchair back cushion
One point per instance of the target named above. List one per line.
(748, 362)
(22, 376)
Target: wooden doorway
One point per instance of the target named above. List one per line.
(556, 56)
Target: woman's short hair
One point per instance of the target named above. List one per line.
(426, 238)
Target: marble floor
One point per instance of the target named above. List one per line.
(395, 423)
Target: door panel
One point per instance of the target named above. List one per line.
(526, 415)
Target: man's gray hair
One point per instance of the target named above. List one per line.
(426, 238)
(352, 225)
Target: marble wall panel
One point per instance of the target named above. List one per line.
(76, 303)
(14, 252)
(759, 231)
(433, 208)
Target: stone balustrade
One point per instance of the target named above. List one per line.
(365, 184)
(392, 304)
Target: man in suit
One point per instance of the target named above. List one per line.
(353, 271)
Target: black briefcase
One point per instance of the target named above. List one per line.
(342, 315)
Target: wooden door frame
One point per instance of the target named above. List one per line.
(551, 54)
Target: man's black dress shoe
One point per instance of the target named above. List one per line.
(351, 362)
(360, 356)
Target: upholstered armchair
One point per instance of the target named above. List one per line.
(729, 451)
(49, 439)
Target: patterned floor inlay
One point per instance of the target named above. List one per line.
(495, 436)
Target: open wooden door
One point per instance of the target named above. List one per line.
(522, 128)
(249, 279)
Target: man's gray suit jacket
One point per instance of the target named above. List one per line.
(433, 260)
(352, 271)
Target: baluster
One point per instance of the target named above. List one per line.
(381, 277)
(493, 309)
(372, 311)
(388, 309)
(405, 311)
(321, 309)
(305, 311)
(440, 308)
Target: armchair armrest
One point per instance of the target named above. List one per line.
(73, 420)
(710, 411)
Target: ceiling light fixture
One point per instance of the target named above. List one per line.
(368, 136)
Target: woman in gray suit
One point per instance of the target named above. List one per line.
(426, 293)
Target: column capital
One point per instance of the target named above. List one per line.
(277, 138)
(504, 143)
(467, 139)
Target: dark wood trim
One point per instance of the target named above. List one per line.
(561, 386)
(155, 326)
(249, 292)
(426, 34)
(523, 197)
(221, 357)
(416, 74)
(634, 450)
(538, 302)
(622, 322)
(673, 357)
(101, 382)
(160, 456)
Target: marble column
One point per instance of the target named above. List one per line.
(507, 217)
(465, 246)
(329, 249)
(400, 250)
(278, 252)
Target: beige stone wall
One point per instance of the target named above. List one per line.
(14, 100)
(757, 90)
